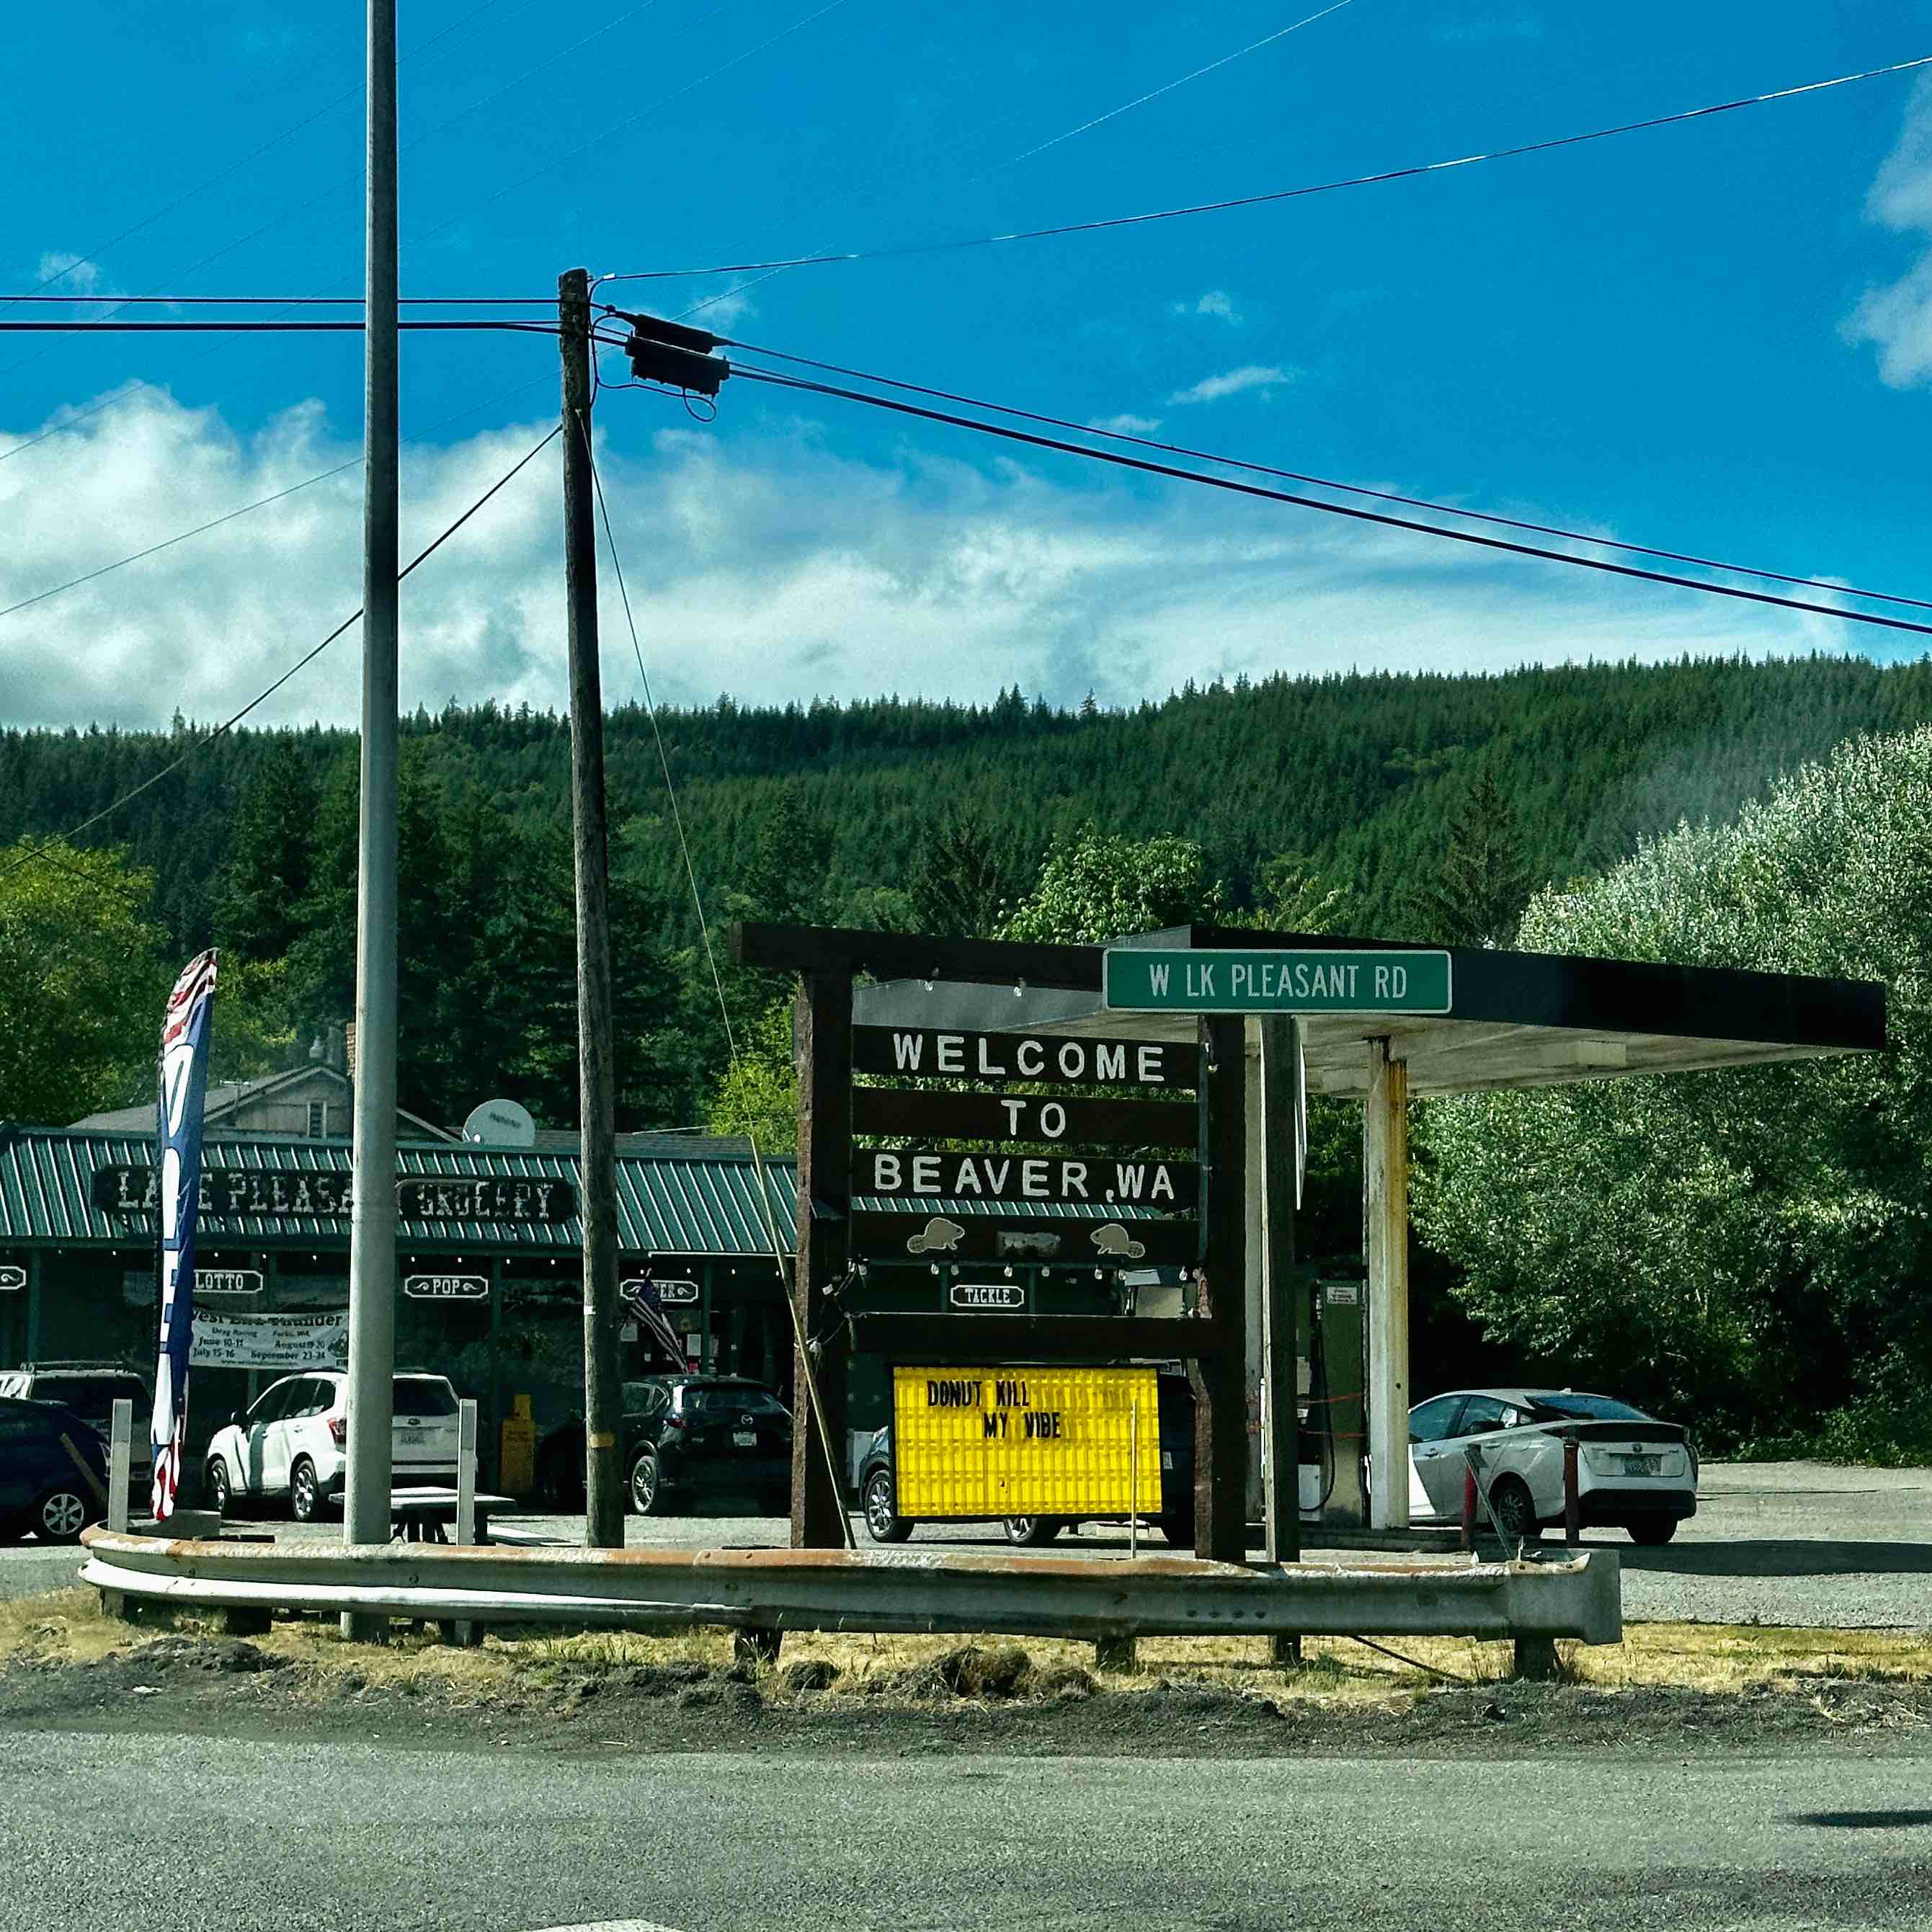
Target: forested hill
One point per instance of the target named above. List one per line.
(1357, 775)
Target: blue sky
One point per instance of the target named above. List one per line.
(1716, 337)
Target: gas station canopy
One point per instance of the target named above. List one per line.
(1515, 1020)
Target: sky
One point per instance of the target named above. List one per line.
(1715, 338)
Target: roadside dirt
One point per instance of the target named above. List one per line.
(968, 1700)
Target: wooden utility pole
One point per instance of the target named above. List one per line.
(596, 1052)
(1220, 1378)
(822, 1044)
(1280, 1163)
(1385, 1203)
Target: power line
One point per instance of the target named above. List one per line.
(781, 1258)
(307, 658)
(1275, 194)
(288, 215)
(263, 502)
(664, 757)
(115, 325)
(1013, 160)
(1226, 60)
(235, 167)
(285, 301)
(168, 543)
(1328, 483)
(1256, 489)
(629, 120)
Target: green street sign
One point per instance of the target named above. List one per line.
(1170, 980)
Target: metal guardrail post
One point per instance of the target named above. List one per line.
(120, 1463)
(120, 1466)
(464, 1630)
(1572, 1495)
(466, 1471)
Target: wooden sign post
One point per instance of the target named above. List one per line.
(1029, 1151)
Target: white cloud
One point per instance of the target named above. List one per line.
(1897, 319)
(76, 275)
(1236, 381)
(1216, 302)
(728, 309)
(766, 565)
(1125, 425)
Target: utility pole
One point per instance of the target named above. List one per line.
(596, 1053)
(372, 1227)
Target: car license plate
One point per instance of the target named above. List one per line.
(414, 1436)
(745, 1438)
(1643, 1465)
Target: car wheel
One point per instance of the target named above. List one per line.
(1652, 1532)
(304, 1493)
(1177, 1527)
(777, 1502)
(647, 1496)
(215, 1483)
(1514, 1511)
(1031, 1532)
(884, 1524)
(61, 1515)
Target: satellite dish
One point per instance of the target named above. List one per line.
(501, 1123)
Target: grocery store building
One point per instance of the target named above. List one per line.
(489, 1256)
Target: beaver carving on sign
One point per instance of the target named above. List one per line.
(1111, 1238)
(938, 1236)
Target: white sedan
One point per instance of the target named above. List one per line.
(1634, 1472)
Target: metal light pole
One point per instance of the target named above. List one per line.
(372, 1227)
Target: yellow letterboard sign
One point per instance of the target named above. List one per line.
(998, 1442)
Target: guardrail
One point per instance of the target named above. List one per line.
(766, 1592)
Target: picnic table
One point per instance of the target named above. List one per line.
(426, 1513)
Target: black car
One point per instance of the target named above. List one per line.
(91, 1390)
(53, 1472)
(878, 1487)
(685, 1436)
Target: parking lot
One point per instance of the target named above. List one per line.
(1806, 1543)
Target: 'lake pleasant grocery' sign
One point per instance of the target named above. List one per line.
(270, 1194)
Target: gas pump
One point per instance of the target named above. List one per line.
(1332, 1377)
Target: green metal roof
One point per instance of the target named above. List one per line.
(702, 1201)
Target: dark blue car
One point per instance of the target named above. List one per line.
(53, 1472)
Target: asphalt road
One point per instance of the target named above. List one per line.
(1804, 1543)
(166, 1833)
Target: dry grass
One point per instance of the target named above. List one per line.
(68, 1627)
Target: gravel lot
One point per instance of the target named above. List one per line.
(1806, 1544)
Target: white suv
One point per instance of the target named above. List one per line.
(295, 1441)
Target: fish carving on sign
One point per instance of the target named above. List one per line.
(1111, 1238)
(938, 1236)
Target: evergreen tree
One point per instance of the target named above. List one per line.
(961, 877)
(271, 850)
(1483, 880)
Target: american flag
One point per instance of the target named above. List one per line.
(183, 1088)
(639, 1295)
